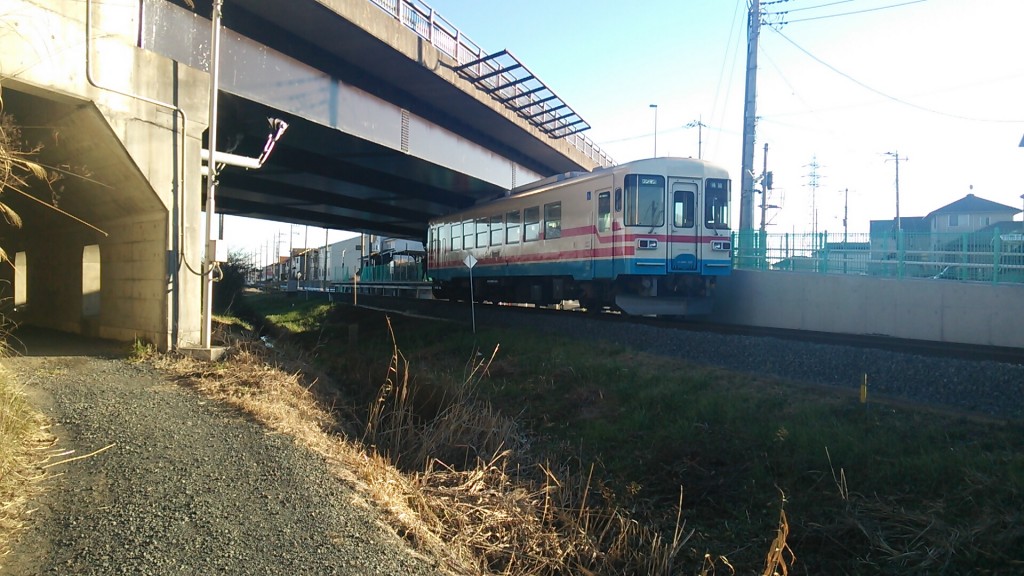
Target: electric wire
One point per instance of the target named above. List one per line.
(889, 96)
(784, 22)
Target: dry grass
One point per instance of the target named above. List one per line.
(25, 447)
(469, 496)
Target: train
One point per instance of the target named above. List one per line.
(648, 237)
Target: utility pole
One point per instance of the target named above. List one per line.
(699, 125)
(896, 156)
(765, 184)
(846, 225)
(749, 118)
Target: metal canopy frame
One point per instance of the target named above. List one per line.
(510, 82)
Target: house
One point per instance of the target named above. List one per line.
(960, 236)
(967, 215)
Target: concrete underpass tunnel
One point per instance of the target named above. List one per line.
(91, 256)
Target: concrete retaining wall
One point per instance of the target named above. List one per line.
(922, 309)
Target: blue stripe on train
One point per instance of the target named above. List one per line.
(581, 269)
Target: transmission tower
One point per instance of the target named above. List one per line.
(813, 181)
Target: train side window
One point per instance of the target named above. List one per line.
(468, 234)
(618, 199)
(512, 222)
(531, 219)
(604, 211)
(682, 209)
(457, 236)
(553, 220)
(482, 233)
(497, 230)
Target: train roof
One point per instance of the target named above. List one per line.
(599, 171)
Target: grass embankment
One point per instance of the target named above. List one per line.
(547, 456)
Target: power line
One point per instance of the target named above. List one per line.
(814, 7)
(784, 22)
(889, 96)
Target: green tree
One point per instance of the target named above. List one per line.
(234, 273)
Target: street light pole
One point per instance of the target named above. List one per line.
(655, 106)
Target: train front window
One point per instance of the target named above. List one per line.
(645, 200)
(716, 204)
(682, 209)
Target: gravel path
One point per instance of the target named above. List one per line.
(188, 487)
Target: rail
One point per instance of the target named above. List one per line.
(524, 95)
(983, 256)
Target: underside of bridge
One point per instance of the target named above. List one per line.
(319, 176)
(383, 133)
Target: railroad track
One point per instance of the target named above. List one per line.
(970, 352)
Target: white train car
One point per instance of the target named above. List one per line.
(646, 237)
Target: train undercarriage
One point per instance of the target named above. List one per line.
(673, 295)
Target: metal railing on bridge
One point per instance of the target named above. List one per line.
(986, 256)
(500, 74)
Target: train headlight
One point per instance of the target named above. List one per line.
(721, 245)
(647, 244)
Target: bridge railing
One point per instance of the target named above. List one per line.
(419, 17)
(984, 256)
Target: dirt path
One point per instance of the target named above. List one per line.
(185, 486)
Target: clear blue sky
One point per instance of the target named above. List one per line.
(843, 82)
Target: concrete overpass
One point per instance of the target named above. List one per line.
(394, 117)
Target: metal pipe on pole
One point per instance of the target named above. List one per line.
(206, 334)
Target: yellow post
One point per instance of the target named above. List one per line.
(864, 390)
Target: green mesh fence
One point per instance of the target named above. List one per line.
(985, 256)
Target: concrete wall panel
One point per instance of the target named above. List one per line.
(935, 310)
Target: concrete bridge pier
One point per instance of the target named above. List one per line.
(112, 246)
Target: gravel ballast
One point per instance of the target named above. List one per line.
(187, 486)
(982, 387)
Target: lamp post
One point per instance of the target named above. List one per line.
(655, 106)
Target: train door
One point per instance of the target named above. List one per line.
(684, 234)
(604, 241)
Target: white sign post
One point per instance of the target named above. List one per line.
(470, 261)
